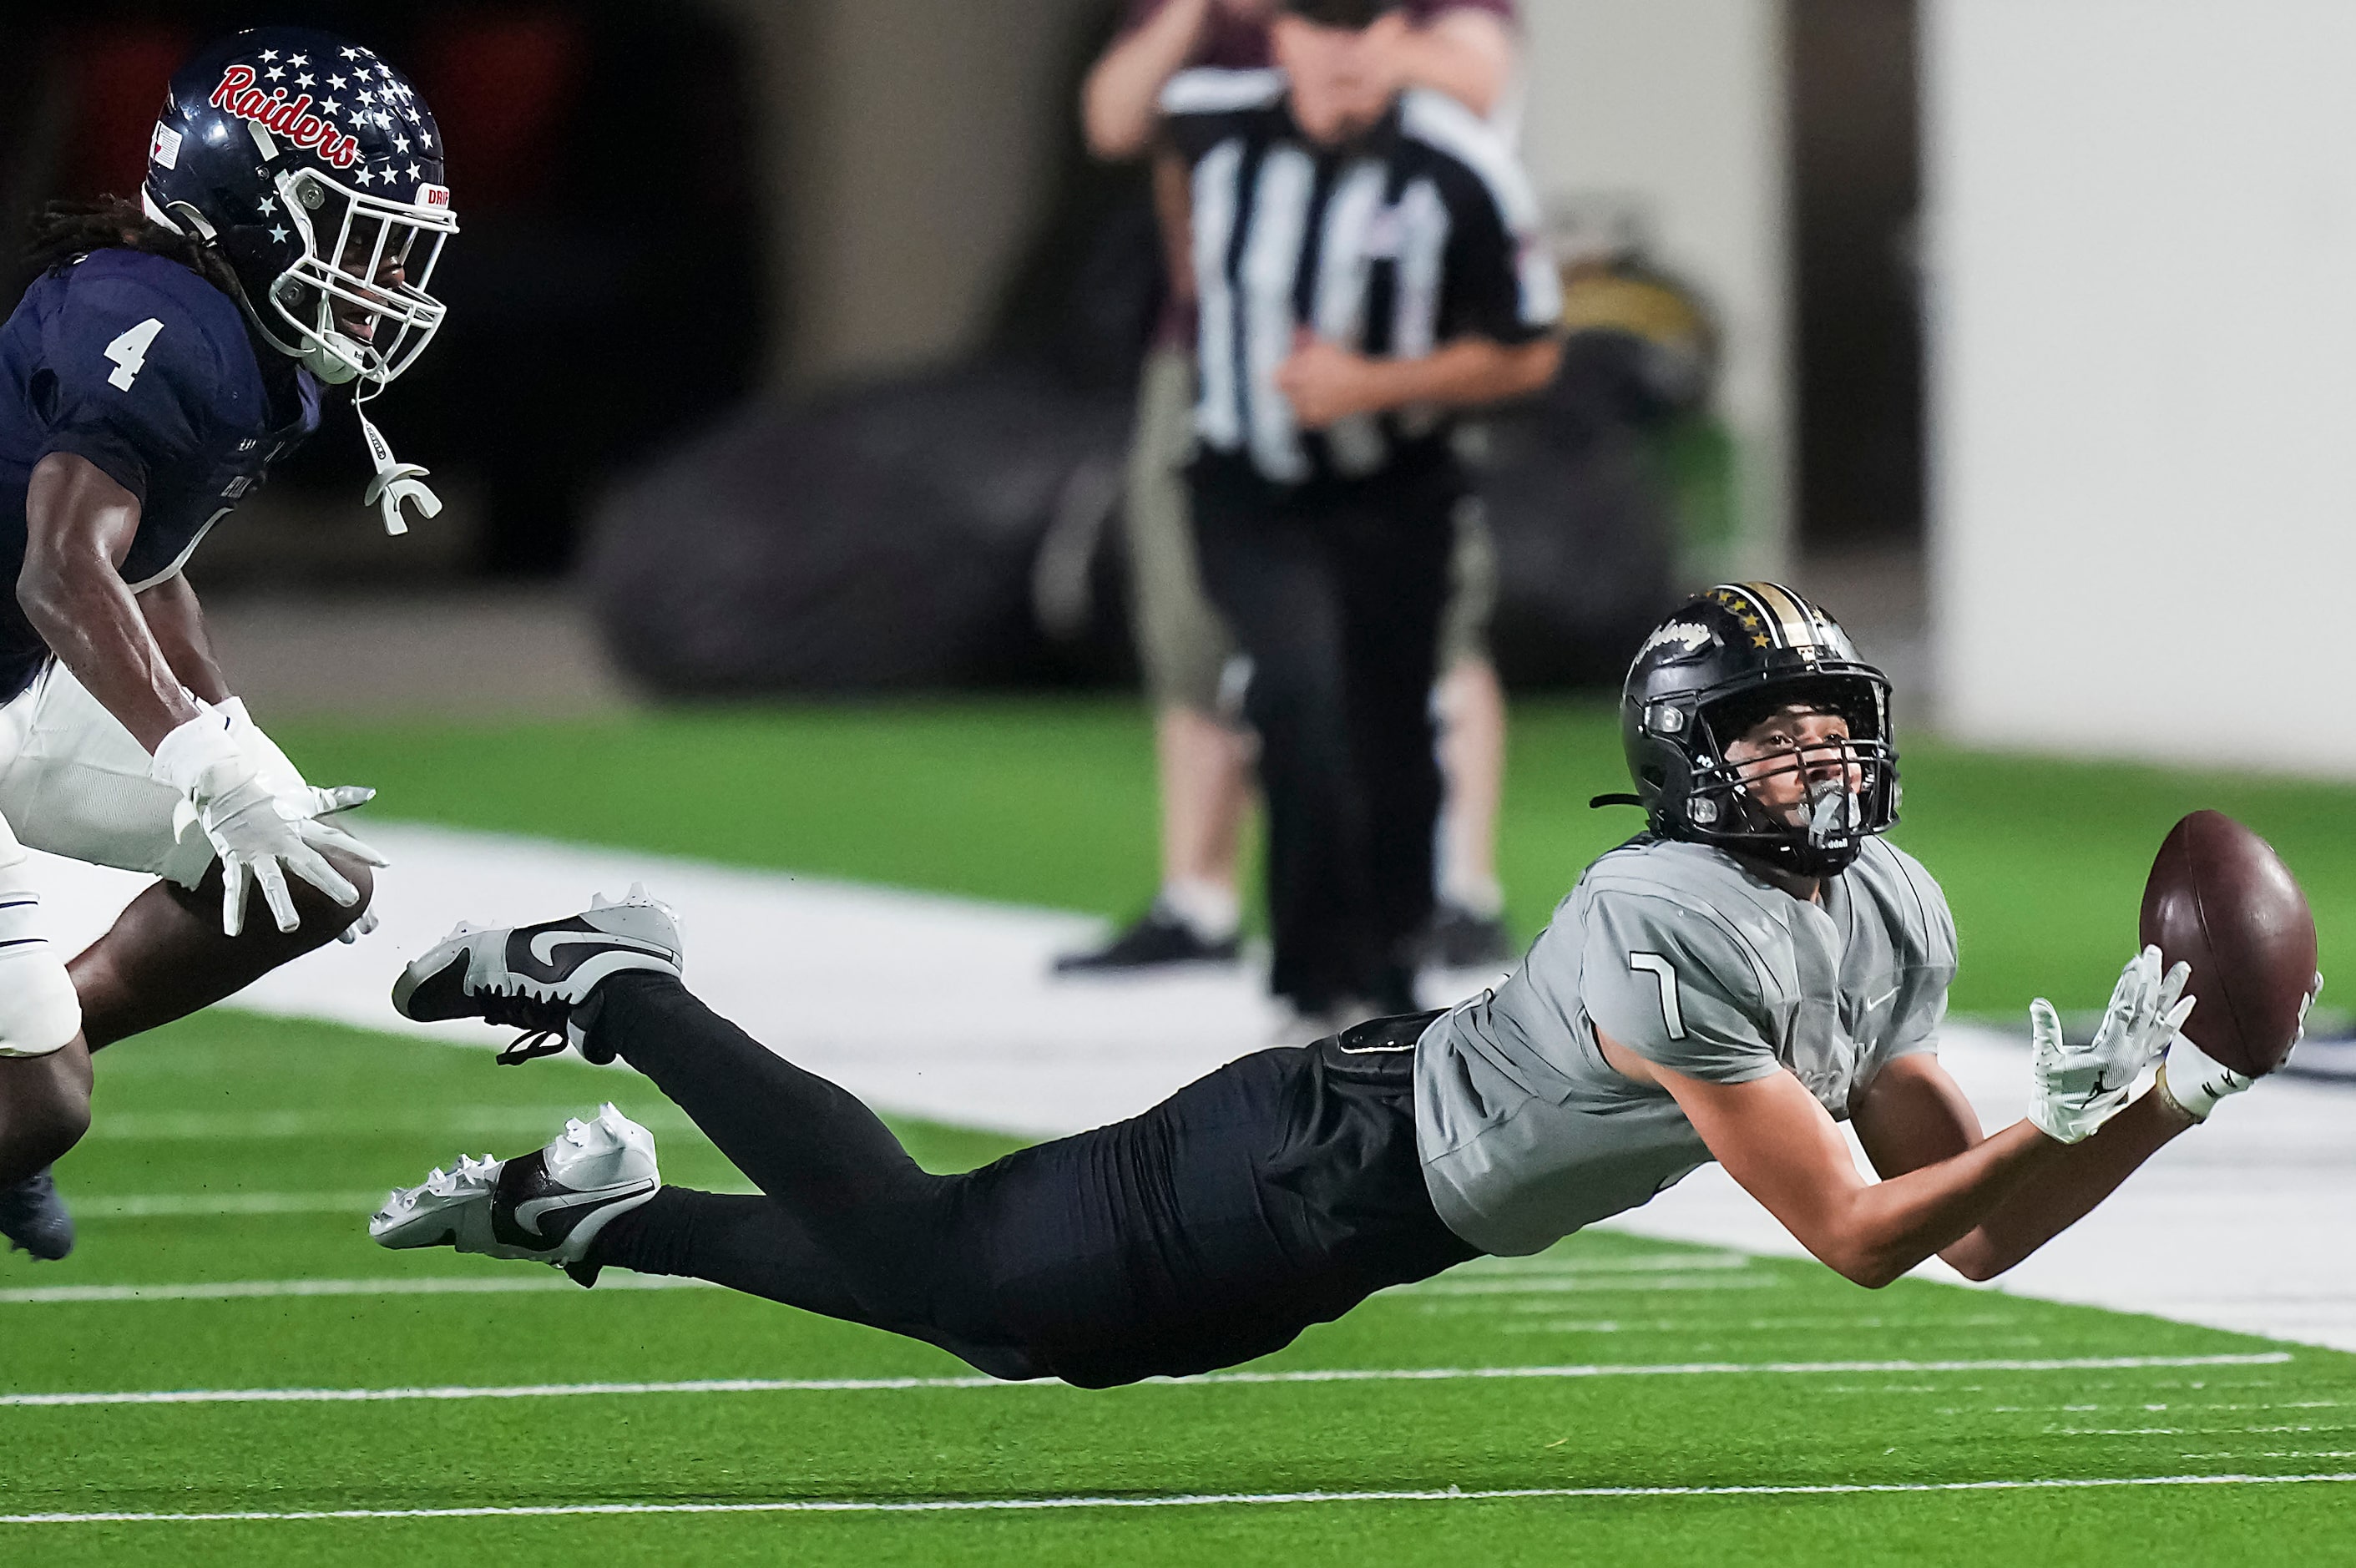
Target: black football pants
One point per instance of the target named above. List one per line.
(1335, 591)
(1277, 1192)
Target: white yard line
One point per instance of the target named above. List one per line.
(1313, 1375)
(943, 1007)
(271, 1290)
(1197, 1499)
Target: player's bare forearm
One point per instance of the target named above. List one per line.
(1777, 1141)
(1898, 1223)
(176, 621)
(1117, 102)
(1915, 1116)
(2064, 1193)
(79, 526)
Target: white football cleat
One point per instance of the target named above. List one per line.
(548, 1204)
(533, 977)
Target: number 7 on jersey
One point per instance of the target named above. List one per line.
(1665, 973)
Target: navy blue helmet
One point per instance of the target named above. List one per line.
(315, 170)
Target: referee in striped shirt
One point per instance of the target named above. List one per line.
(1365, 263)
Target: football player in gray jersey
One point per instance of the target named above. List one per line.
(1759, 965)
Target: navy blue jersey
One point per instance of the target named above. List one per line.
(135, 363)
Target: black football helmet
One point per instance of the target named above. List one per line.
(1725, 659)
(309, 165)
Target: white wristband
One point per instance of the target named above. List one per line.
(185, 757)
(2197, 1081)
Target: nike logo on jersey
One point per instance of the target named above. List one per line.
(579, 1204)
(544, 946)
(1878, 1001)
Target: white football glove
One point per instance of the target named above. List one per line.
(256, 837)
(305, 801)
(2197, 1081)
(2079, 1088)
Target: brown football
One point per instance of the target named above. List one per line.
(2222, 900)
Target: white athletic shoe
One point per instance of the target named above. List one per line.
(548, 1204)
(533, 977)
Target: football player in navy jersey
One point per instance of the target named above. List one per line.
(168, 353)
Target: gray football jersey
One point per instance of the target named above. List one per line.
(1679, 952)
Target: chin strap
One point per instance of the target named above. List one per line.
(396, 482)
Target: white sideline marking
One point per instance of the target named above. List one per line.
(247, 1290)
(1196, 1499)
(203, 1205)
(447, 1126)
(1322, 1375)
(1614, 1284)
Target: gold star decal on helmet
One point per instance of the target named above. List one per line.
(1759, 641)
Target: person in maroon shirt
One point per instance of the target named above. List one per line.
(1465, 48)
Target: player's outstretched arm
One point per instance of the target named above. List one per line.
(1915, 1116)
(1777, 1141)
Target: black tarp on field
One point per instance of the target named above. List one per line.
(961, 529)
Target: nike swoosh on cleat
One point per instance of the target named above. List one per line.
(528, 1214)
(544, 946)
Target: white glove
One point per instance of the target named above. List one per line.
(306, 803)
(2197, 1081)
(222, 792)
(2079, 1088)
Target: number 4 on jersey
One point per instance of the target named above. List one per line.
(129, 353)
(1665, 974)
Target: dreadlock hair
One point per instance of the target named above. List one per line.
(64, 230)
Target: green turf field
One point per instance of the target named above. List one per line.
(1690, 1399)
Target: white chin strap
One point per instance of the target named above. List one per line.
(396, 482)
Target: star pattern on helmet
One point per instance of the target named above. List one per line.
(337, 83)
(278, 235)
(269, 54)
(331, 107)
(306, 79)
(275, 73)
(268, 206)
(350, 53)
(362, 174)
(298, 60)
(401, 143)
(413, 173)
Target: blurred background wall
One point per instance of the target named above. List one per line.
(680, 220)
(2144, 222)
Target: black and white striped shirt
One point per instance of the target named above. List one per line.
(1421, 232)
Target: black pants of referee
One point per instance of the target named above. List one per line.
(1277, 1192)
(1335, 589)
